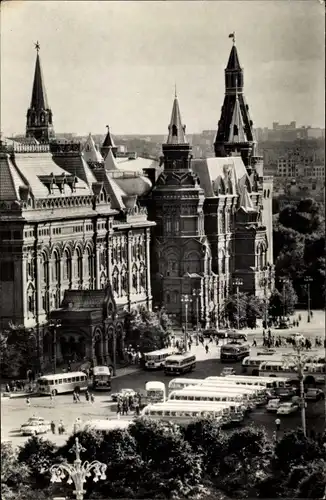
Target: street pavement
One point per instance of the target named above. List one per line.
(15, 412)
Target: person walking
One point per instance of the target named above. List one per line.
(28, 402)
(206, 348)
(254, 343)
(137, 408)
(74, 397)
(278, 424)
(119, 408)
(125, 407)
(52, 427)
(87, 396)
(61, 428)
(92, 398)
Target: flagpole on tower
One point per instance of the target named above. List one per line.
(232, 35)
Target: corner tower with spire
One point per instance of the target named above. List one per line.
(39, 115)
(235, 133)
(181, 257)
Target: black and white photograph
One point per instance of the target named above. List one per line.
(162, 250)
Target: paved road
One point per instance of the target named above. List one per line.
(15, 412)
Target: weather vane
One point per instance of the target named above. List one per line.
(37, 46)
(232, 35)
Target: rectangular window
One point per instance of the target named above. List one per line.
(60, 381)
(68, 379)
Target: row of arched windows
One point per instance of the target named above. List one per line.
(120, 280)
(51, 270)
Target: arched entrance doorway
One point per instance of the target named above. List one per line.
(72, 347)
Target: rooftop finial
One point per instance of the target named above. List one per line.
(108, 127)
(37, 46)
(232, 35)
(175, 91)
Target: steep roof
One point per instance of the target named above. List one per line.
(110, 161)
(245, 200)
(236, 130)
(10, 179)
(90, 151)
(176, 129)
(39, 98)
(108, 141)
(233, 62)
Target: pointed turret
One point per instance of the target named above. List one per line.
(235, 131)
(177, 149)
(110, 161)
(90, 152)
(39, 115)
(177, 131)
(107, 144)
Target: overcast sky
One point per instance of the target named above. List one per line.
(116, 62)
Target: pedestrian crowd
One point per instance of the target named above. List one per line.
(128, 403)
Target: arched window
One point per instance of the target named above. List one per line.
(124, 281)
(115, 281)
(89, 263)
(31, 300)
(135, 279)
(30, 267)
(45, 268)
(56, 269)
(223, 262)
(168, 298)
(142, 277)
(67, 265)
(79, 264)
(102, 281)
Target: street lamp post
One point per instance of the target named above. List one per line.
(284, 281)
(264, 283)
(299, 359)
(237, 283)
(197, 294)
(78, 472)
(185, 299)
(308, 280)
(54, 324)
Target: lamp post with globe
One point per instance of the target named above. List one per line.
(78, 472)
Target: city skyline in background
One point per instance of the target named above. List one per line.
(121, 68)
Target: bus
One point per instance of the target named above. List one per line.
(181, 383)
(182, 414)
(234, 351)
(252, 381)
(233, 409)
(155, 392)
(259, 393)
(106, 425)
(60, 383)
(101, 378)
(180, 363)
(251, 364)
(214, 394)
(314, 373)
(155, 360)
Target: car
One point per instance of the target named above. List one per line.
(233, 335)
(284, 325)
(266, 352)
(123, 393)
(314, 394)
(284, 393)
(273, 405)
(35, 426)
(228, 370)
(287, 408)
(210, 332)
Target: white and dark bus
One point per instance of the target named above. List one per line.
(180, 363)
(101, 378)
(155, 360)
(234, 351)
(60, 383)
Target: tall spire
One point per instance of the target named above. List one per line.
(39, 115)
(108, 143)
(177, 131)
(235, 128)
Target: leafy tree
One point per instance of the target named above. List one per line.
(18, 351)
(38, 455)
(294, 449)
(249, 308)
(282, 304)
(148, 330)
(14, 475)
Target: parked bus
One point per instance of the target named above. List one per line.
(251, 364)
(155, 360)
(259, 393)
(155, 392)
(60, 383)
(252, 381)
(180, 363)
(235, 411)
(101, 378)
(181, 383)
(215, 394)
(106, 425)
(314, 373)
(184, 413)
(234, 351)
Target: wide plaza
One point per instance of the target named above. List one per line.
(15, 411)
